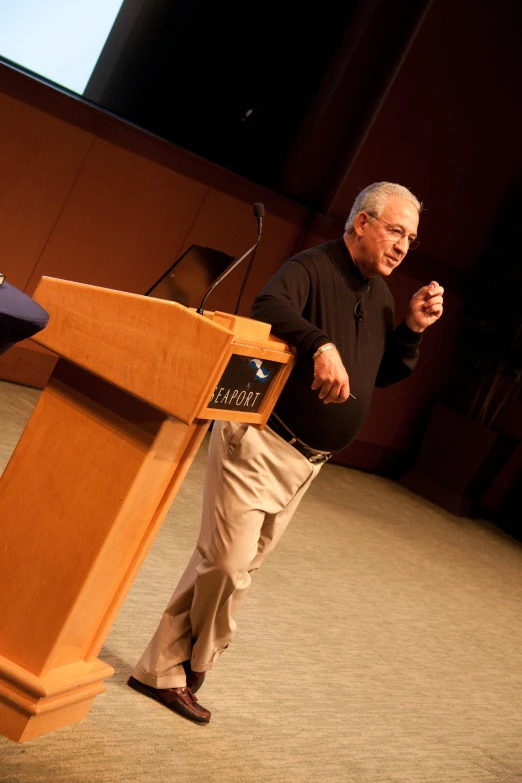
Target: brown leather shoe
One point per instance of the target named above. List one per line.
(180, 700)
(194, 679)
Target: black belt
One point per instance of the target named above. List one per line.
(312, 455)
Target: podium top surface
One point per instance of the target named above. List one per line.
(159, 351)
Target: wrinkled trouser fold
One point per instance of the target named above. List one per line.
(253, 485)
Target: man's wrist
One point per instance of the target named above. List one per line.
(322, 349)
(413, 327)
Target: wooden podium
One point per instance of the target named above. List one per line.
(96, 470)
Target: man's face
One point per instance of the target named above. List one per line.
(381, 245)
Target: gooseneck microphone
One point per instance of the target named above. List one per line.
(259, 211)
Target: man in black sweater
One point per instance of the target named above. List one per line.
(333, 305)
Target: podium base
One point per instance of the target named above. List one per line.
(32, 705)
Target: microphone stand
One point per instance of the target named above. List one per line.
(259, 211)
(250, 263)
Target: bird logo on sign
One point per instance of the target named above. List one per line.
(261, 375)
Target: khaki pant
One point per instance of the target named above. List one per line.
(254, 483)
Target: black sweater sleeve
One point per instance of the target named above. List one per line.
(281, 304)
(400, 356)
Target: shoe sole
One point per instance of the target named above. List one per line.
(144, 689)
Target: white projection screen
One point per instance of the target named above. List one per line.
(60, 40)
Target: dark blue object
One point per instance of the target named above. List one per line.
(20, 316)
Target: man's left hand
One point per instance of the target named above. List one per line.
(425, 307)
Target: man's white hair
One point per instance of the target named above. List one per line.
(373, 200)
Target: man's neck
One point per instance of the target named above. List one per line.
(350, 246)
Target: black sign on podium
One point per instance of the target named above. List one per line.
(244, 384)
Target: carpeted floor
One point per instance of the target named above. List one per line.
(380, 643)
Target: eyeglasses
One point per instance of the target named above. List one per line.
(398, 233)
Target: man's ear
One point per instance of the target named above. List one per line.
(359, 223)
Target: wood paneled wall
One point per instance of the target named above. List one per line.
(91, 201)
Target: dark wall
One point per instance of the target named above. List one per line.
(228, 81)
(451, 125)
(449, 128)
(239, 83)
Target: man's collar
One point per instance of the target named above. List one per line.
(363, 280)
(355, 269)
